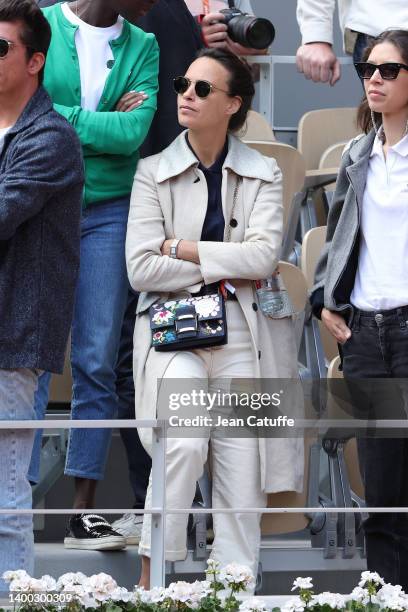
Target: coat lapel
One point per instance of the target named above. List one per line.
(191, 194)
(357, 172)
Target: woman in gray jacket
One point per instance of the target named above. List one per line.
(361, 293)
(207, 209)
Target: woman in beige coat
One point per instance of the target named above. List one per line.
(182, 211)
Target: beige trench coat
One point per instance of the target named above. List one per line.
(169, 202)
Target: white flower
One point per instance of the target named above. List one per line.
(42, 585)
(359, 594)
(333, 600)
(121, 594)
(81, 594)
(143, 596)
(253, 604)
(370, 577)
(179, 591)
(15, 575)
(21, 584)
(48, 583)
(392, 597)
(293, 605)
(101, 586)
(236, 574)
(199, 590)
(70, 578)
(302, 583)
(157, 594)
(212, 566)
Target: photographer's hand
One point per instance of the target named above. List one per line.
(215, 35)
(240, 50)
(214, 31)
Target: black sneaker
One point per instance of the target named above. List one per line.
(92, 532)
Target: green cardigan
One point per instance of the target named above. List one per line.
(110, 139)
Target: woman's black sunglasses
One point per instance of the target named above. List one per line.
(202, 88)
(388, 72)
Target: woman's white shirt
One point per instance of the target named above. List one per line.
(196, 6)
(94, 55)
(381, 281)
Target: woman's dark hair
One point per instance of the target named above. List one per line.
(35, 31)
(240, 82)
(399, 38)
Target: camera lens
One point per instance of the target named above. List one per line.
(254, 32)
(260, 34)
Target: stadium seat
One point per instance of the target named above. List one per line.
(319, 129)
(331, 157)
(292, 165)
(257, 128)
(281, 523)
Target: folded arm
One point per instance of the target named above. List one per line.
(116, 132)
(257, 255)
(148, 269)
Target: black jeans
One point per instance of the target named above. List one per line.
(378, 348)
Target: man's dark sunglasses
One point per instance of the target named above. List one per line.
(202, 88)
(388, 72)
(5, 46)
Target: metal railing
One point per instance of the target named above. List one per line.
(159, 510)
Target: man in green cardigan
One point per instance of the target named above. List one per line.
(101, 73)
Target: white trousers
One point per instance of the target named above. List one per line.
(235, 461)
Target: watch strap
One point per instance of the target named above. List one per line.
(173, 248)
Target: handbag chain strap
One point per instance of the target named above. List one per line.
(227, 237)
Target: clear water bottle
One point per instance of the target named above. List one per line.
(273, 298)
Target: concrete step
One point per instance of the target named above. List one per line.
(280, 565)
(55, 560)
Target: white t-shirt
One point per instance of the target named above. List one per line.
(94, 54)
(381, 281)
(3, 132)
(196, 6)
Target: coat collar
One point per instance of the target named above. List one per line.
(38, 105)
(241, 159)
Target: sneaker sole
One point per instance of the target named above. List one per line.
(132, 540)
(108, 543)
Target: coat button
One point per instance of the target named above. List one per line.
(233, 223)
(259, 354)
(255, 306)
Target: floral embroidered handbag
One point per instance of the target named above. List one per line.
(191, 322)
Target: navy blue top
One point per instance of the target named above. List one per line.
(214, 223)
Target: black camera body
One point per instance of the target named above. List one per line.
(247, 30)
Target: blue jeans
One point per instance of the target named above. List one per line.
(40, 406)
(89, 461)
(139, 461)
(101, 298)
(17, 389)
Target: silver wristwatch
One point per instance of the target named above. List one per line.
(173, 249)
